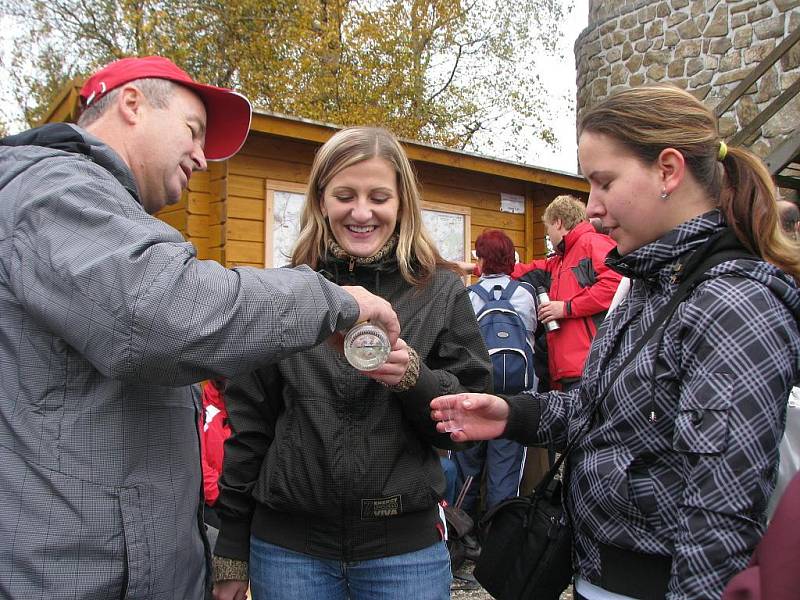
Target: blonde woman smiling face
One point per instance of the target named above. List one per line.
(361, 204)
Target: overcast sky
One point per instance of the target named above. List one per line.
(558, 75)
(7, 109)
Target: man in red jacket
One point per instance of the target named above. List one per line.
(581, 287)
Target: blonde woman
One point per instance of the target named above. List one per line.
(331, 482)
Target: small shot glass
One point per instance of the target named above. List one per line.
(366, 346)
(453, 416)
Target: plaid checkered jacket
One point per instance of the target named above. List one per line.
(106, 316)
(680, 464)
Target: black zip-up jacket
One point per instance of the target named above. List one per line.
(325, 461)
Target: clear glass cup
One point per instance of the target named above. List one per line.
(366, 346)
(453, 416)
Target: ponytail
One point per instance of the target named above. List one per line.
(749, 204)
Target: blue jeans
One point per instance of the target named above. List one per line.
(280, 574)
(502, 460)
(450, 476)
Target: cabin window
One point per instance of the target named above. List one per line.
(284, 207)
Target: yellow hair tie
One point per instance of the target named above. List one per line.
(723, 151)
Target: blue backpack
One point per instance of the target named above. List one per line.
(506, 339)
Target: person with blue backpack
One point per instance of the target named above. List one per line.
(506, 313)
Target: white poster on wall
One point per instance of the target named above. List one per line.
(512, 203)
(448, 231)
(286, 209)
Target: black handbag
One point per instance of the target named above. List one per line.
(527, 548)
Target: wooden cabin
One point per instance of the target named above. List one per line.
(244, 211)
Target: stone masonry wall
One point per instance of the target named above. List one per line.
(704, 46)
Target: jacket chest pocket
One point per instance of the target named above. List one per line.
(702, 423)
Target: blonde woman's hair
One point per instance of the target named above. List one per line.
(417, 256)
(648, 119)
(567, 209)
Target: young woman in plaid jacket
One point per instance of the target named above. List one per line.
(674, 474)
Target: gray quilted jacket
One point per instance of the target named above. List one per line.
(106, 316)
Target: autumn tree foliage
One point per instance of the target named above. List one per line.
(447, 72)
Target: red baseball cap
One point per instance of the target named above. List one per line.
(227, 112)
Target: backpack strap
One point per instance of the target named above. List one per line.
(509, 290)
(489, 295)
(482, 292)
(527, 287)
(532, 291)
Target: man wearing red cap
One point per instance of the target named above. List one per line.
(106, 318)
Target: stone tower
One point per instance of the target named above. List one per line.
(705, 46)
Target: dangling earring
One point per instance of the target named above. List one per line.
(664, 194)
